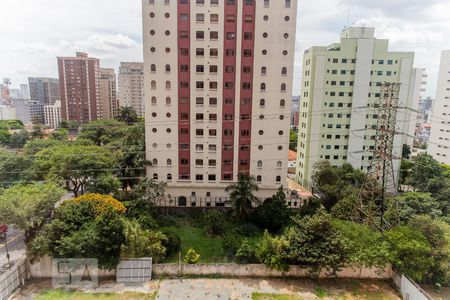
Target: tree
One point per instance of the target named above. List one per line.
(102, 132)
(14, 168)
(246, 254)
(29, 207)
(409, 251)
(19, 139)
(273, 214)
(60, 135)
(69, 125)
(437, 234)
(406, 151)
(128, 115)
(4, 137)
(293, 140)
(104, 184)
(77, 165)
(365, 245)
(142, 243)
(332, 183)
(425, 172)
(241, 195)
(34, 146)
(411, 204)
(405, 170)
(88, 226)
(315, 242)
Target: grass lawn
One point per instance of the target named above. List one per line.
(209, 248)
(66, 295)
(262, 296)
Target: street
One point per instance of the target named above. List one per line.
(16, 247)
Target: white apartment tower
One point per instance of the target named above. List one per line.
(218, 82)
(131, 86)
(439, 144)
(340, 85)
(52, 114)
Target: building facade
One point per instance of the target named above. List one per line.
(131, 86)
(340, 85)
(295, 110)
(79, 81)
(52, 114)
(44, 90)
(7, 112)
(439, 143)
(109, 104)
(218, 82)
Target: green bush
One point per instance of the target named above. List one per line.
(273, 214)
(231, 243)
(247, 229)
(215, 223)
(246, 254)
(172, 244)
(191, 256)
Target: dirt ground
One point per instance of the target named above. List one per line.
(237, 289)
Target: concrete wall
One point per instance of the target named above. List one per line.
(42, 268)
(258, 270)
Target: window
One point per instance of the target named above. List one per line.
(213, 117)
(168, 101)
(213, 101)
(278, 179)
(212, 177)
(259, 178)
(154, 100)
(200, 35)
(153, 68)
(154, 162)
(213, 52)
(169, 176)
(283, 87)
(246, 69)
(214, 18)
(184, 84)
(200, 52)
(284, 71)
(266, 3)
(212, 132)
(248, 2)
(263, 87)
(262, 103)
(199, 85)
(259, 164)
(263, 70)
(184, 51)
(201, 2)
(199, 117)
(199, 68)
(167, 68)
(212, 162)
(155, 176)
(184, 68)
(248, 36)
(153, 84)
(214, 35)
(199, 100)
(248, 19)
(230, 18)
(168, 85)
(229, 69)
(169, 162)
(282, 103)
(287, 3)
(212, 147)
(200, 17)
(279, 164)
(213, 85)
(229, 52)
(199, 177)
(246, 85)
(247, 52)
(199, 132)
(230, 35)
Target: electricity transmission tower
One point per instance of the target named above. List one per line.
(380, 181)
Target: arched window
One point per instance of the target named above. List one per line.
(263, 70)
(153, 100)
(259, 178)
(169, 162)
(169, 176)
(155, 162)
(263, 86)
(282, 103)
(168, 100)
(278, 179)
(283, 87)
(167, 68)
(153, 84)
(168, 85)
(284, 71)
(153, 68)
(155, 176)
(279, 164)
(262, 102)
(259, 164)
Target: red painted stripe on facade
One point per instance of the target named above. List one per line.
(184, 144)
(228, 109)
(245, 123)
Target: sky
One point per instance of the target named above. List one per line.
(34, 32)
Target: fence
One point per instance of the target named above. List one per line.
(12, 279)
(409, 289)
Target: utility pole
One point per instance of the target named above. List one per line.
(380, 181)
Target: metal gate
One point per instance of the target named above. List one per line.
(134, 270)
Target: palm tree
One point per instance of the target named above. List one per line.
(128, 115)
(241, 195)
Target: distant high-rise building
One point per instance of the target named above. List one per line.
(44, 90)
(340, 86)
(52, 114)
(108, 94)
(29, 111)
(25, 91)
(5, 94)
(439, 144)
(79, 80)
(7, 112)
(218, 84)
(131, 86)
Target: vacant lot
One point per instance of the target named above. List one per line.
(65, 295)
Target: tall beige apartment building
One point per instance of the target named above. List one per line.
(439, 143)
(109, 104)
(340, 86)
(131, 86)
(218, 82)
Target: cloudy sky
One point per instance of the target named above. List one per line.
(34, 32)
